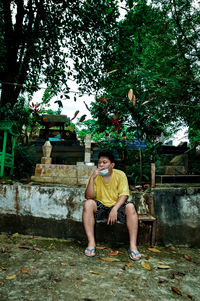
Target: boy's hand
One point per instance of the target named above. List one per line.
(96, 172)
(112, 218)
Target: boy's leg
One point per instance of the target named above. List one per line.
(132, 225)
(88, 218)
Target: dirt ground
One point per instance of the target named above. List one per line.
(36, 268)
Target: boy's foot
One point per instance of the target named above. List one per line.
(90, 252)
(134, 255)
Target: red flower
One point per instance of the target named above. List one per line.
(34, 108)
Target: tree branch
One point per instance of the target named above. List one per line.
(173, 3)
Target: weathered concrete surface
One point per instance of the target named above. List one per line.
(56, 210)
(34, 268)
(54, 202)
(178, 215)
(68, 228)
(64, 174)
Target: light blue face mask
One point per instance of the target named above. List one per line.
(104, 172)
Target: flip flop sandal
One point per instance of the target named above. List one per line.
(135, 253)
(90, 250)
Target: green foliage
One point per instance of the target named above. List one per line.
(48, 94)
(24, 161)
(52, 112)
(40, 39)
(148, 58)
(133, 167)
(194, 136)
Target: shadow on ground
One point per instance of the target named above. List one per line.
(36, 268)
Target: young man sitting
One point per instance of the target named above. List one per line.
(106, 196)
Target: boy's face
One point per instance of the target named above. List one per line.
(105, 163)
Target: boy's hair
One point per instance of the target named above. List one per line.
(108, 154)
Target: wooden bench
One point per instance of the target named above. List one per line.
(151, 219)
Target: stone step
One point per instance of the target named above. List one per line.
(172, 170)
(177, 179)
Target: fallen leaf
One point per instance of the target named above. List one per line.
(146, 265)
(15, 235)
(100, 248)
(136, 278)
(93, 272)
(164, 267)
(4, 250)
(3, 268)
(24, 271)
(10, 277)
(52, 246)
(187, 257)
(130, 264)
(171, 248)
(147, 257)
(176, 290)
(154, 250)
(113, 253)
(109, 259)
(37, 249)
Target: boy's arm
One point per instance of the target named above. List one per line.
(89, 192)
(113, 213)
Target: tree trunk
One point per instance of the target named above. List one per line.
(140, 154)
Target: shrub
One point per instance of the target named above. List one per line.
(24, 161)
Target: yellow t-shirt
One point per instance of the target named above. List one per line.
(108, 193)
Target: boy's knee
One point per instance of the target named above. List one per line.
(130, 209)
(89, 204)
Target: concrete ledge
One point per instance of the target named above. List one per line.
(58, 208)
(68, 228)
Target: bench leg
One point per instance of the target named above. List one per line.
(153, 233)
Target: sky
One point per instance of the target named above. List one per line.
(69, 105)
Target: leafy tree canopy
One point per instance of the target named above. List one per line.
(40, 37)
(156, 54)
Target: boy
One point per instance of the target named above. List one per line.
(106, 196)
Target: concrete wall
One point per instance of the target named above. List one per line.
(50, 202)
(178, 215)
(56, 211)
